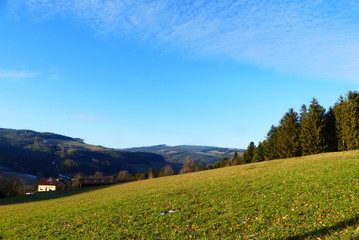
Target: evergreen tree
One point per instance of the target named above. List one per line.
(235, 159)
(259, 153)
(209, 167)
(303, 111)
(339, 114)
(224, 162)
(270, 145)
(330, 131)
(216, 164)
(249, 153)
(203, 167)
(196, 166)
(288, 135)
(346, 112)
(140, 176)
(312, 129)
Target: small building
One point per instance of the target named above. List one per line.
(50, 184)
(88, 182)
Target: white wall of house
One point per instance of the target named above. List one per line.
(45, 188)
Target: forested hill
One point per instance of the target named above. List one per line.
(49, 154)
(179, 154)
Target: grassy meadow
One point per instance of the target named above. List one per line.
(313, 197)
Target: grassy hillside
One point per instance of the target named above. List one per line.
(48, 154)
(179, 154)
(314, 197)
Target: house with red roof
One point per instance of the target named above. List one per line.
(50, 184)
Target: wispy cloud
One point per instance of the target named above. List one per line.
(16, 75)
(308, 37)
(85, 117)
(51, 74)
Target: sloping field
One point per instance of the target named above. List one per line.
(315, 197)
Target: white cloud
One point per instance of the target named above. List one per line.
(15, 75)
(51, 74)
(308, 37)
(86, 117)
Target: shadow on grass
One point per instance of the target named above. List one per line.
(327, 230)
(40, 196)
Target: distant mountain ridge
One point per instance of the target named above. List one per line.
(49, 154)
(181, 153)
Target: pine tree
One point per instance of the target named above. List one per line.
(224, 162)
(216, 164)
(196, 166)
(312, 129)
(204, 166)
(330, 131)
(353, 120)
(270, 145)
(259, 153)
(248, 154)
(235, 159)
(346, 112)
(288, 135)
(140, 176)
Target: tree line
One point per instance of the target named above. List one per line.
(10, 187)
(311, 131)
(125, 176)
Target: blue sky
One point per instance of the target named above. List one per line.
(136, 73)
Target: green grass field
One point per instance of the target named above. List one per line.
(314, 197)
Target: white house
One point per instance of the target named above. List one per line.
(50, 184)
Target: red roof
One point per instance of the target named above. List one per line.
(48, 181)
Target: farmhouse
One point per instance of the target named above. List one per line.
(88, 182)
(50, 184)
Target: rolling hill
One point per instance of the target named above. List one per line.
(49, 154)
(179, 154)
(312, 197)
